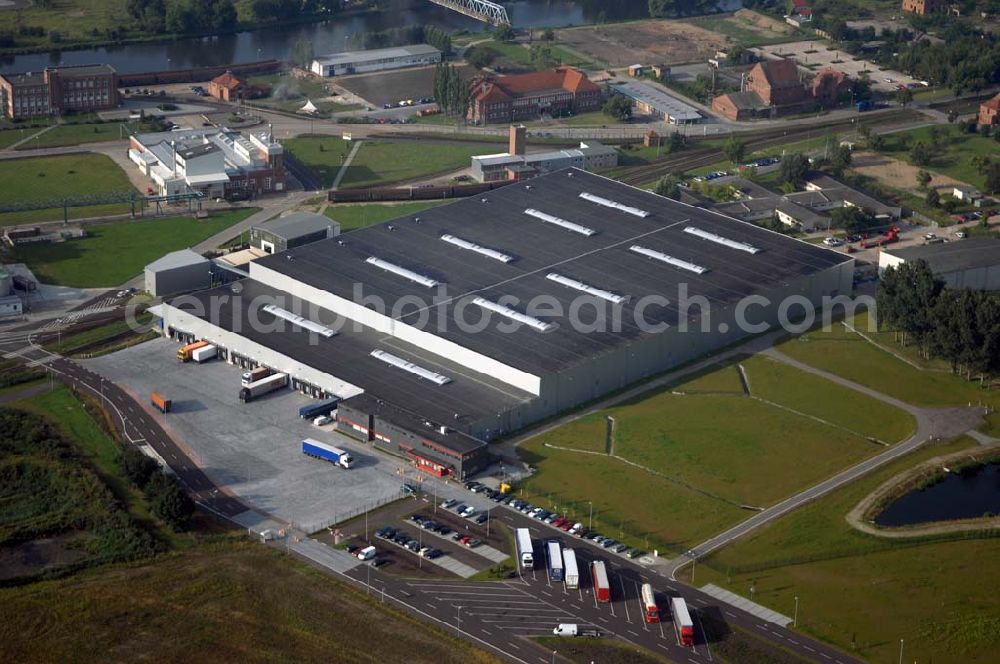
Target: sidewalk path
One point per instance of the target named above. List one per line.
(347, 164)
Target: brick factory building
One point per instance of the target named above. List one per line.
(54, 91)
(526, 96)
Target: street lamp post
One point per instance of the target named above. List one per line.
(460, 620)
(901, 651)
(795, 617)
(590, 521)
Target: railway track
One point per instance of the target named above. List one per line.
(699, 157)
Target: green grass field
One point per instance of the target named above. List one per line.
(113, 253)
(238, 601)
(712, 450)
(820, 398)
(352, 216)
(380, 162)
(10, 136)
(956, 150)
(874, 590)
(850, 356)
(76, 134)
(54, 178)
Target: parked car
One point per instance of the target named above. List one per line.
(448, 504)
(461, 507)
(467, 512)
(619, 548)
(434, 553)
(565, 526)
(608, 543)
(385, 533)
(413, 546)
(832, 241)
(634, 553)
(472, 542)
(409, 489)
(482, 518)
(322, 420)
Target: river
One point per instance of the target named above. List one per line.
(327, 37)
(958, 496)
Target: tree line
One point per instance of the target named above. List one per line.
(411, 34)
(450, 92)
(960, 326)
(182, 16)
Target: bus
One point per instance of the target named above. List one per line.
(525, 551)
(650, 611)
(554, 553)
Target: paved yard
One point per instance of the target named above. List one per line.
(253, 449)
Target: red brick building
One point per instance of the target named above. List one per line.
(54, 91)
(828, 86)
(526, 96)
(924, 7)
(777, 83)
(989, 112)
(228, 87)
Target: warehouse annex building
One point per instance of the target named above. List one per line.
(421, 325)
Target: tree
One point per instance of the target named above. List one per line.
(876, 142)
(541, 57)
(910, 296)
(736, 53)
(735, 150)
(669, 186)
(921, 154)
(952, 116)
(852, 219)
(980, 162)
(838, 159)
(618, 107)
(168, 502)
(480, 56)
(504, 33)
(793, 169)
(138, 467)
(676, 141)
(992, 176)
(302, 53)
(904, 96)
(923, 179)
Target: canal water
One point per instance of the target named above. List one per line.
(327, 37)
(958, 496)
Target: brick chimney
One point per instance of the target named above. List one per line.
(518, 134)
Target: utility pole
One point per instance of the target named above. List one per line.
(795, 617)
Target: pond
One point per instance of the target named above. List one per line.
(964, 495)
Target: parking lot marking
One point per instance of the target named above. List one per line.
(632, 633)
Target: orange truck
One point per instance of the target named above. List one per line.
(161, 403)
(184, 352)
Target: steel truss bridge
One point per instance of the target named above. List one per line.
(481, 10)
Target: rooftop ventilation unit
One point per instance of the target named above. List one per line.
(587, 288)
(402, 271)
(415, 369)
(613, 204)
(472, 246)
(724, 241)
(568, 225)
(539, 325)
(670, 260)
(295, 319)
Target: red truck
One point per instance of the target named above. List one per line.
(683, 625)
(602, 588)
(160, 403)
(891, 235)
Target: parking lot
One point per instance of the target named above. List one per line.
(815, 55)
(253, 449)
(390, 87)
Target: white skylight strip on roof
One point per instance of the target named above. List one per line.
(295, 319)
(472, 246)
(676, 262)
(403, 272)
(415, 369)
(539, 325)
(586, 288)
(718, 239)
(606, 202)
(568, 225)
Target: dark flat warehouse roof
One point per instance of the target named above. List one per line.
(410, 421)
(602, 260)
(969, 254)
(346, 355)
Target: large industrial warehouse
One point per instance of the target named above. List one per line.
(422, 325)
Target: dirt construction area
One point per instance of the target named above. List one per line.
(645, 42)
(895, 173)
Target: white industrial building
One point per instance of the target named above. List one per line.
(380, 316)
(590, 156)
(973, 263)
(656, 103)
(215, 162)
(380, 59)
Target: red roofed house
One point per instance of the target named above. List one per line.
(227, 87)
(828, 85)
(989, 112)
(924, 7)
(525, 96)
